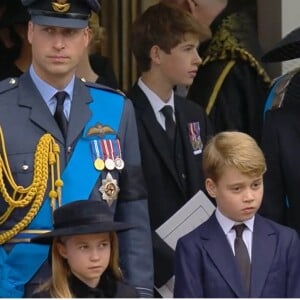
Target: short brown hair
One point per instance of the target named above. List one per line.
(232, 149)
(165, 26)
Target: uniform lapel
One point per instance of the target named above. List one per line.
(263, 248)
(40, 114)
(221, 254)
(80, 112)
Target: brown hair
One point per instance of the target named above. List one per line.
(232, 149)
(165, 26)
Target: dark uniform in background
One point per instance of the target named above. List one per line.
(97, 116)
(281, 138)
(231, 84)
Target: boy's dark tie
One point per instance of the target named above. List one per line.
(59, 114)
(242, 255)
(167, 111)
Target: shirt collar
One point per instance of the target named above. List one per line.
(227, 223)
(46, 90)
(156, 102)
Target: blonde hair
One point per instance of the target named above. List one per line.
(98, 34)
(232, 149)
(58, 285)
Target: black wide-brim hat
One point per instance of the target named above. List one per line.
(287, 48)
(61, 13)
(81, 217)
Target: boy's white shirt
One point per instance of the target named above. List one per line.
(227, 224)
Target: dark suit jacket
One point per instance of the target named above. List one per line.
(206, 268)
(165, 192)
(24, 118)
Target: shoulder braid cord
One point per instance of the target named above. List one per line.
(46, 154)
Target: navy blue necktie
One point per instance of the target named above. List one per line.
(242, 255)
(59, 114)
(167, 111)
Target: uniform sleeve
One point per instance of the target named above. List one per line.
(132, 207)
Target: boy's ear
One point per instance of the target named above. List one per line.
(155, 54)
(210, 187)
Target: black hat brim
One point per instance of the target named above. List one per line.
(48, 237)
(286, 49)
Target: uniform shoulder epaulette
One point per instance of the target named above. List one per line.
(102, 87)
(8, 84)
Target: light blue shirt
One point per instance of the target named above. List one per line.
(48, 92)
(227, 224)
(157, 103)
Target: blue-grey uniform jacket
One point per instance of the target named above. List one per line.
(24, 118)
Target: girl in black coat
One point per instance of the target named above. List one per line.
(84, 253)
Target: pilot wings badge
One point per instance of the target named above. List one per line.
(100, 130)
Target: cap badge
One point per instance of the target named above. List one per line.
(61, 6)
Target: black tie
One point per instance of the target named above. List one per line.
(242, 255)
(59, 114)
(170, 124)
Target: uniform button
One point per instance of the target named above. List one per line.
(183, 176)
(69, 149)
(25, 167)
(12, 81)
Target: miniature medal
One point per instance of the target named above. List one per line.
(97, 154)
(99, 164)
(119, 163)
(109, 164)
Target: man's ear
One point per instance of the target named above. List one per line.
(155, 54)
(30, 31)
(210, 187)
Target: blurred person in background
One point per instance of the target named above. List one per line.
(95, 67)
(231, 83)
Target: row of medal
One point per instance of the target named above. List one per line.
(107, 154)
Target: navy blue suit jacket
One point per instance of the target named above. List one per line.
(166, 194)
(205, 265)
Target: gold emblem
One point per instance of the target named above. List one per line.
(61, 6)
(100, 130)
(99, 164)
(109, 189)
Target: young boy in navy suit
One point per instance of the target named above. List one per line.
(216, 260)
(164, 43)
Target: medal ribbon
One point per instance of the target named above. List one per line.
(19, 265)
